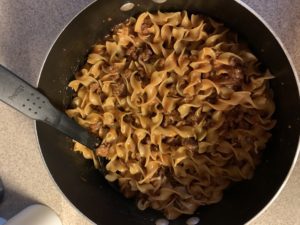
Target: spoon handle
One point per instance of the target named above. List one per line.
(28, 100)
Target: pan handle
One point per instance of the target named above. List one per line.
(28, 100)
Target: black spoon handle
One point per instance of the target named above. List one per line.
(28, 100)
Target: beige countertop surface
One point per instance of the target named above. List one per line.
(27, 31)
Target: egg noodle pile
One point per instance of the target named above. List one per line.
(181, 105)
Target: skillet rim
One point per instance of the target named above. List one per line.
(286, 53)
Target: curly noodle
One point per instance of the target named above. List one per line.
(181, 106)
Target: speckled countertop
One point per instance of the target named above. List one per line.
(27, 30)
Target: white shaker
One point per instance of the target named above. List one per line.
(35, 215)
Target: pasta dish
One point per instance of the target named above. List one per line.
(182, 106)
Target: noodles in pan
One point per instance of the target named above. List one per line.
(182, 106)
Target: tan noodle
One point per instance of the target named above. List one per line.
(181, 105)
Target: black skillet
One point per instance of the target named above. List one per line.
(85, 187)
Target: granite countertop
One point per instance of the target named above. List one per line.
(27, 30)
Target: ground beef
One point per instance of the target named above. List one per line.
(190, 143)
(142, 76)
(146, 55)
(119, 89)
(129, 119)
(102, 95)
(237, 78)
(132, 52)
(174, 141)
(213, 98)
(160, 64)
(171, 119)
(94, 128)
(145, 26)
(103, 149)
(94, 87)
(193, 120)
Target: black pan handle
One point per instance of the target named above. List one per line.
(1, 191)
(28, 100)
